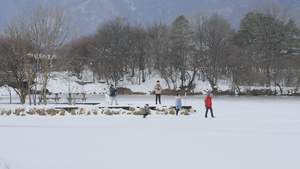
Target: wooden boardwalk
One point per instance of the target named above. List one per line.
(70, 107)
(67, 108)
(151, 107)
(82, 103)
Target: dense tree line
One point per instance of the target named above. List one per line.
(264, 51)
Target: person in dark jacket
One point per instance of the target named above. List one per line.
(178, 103)
(112, 94)
(208, 105)
(157, 91)
(146, 110)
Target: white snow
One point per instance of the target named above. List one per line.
(247, 133)
(62, 82)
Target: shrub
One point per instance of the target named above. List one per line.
(132, 109)
(41, 112)
(138, 112)
(95, 112)
(18, 111)
(118, 112)
(108, 112)
(8, 112)
(3, 112)
(81, 111)
(52, 112)
(73, 112)
(62, 112)
(31, 111)
(172, 111)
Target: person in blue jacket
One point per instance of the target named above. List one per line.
(112, 94)
(178, 103)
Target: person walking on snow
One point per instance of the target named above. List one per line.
(112, 94)
(208, 105)
(157, 91)
(178, 103)
(146, 110)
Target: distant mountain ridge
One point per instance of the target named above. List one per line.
(90, 13)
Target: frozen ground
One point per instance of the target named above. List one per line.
(247, 133)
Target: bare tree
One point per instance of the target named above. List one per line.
(197, 21)
(290, 62)
(159, 52)
(34, 38)
(158, 34)
(112, 47)
(17, 66)
(140, 52)
(216, 32)
(266, 36)
(50, 29)
(275, 9)
(238, 69)
(79, 55)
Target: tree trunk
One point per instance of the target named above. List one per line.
(212, 84)
(238, 88)
(35, 89)
(9, 91)
(143, 76)
(23, 97)
(28, 89)
(281, 91)
(190, 85)
(45, 80)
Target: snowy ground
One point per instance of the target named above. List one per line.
(247, 133)
(62, 82)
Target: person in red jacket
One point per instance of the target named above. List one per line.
(208, 105)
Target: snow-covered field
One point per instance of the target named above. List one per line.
(247, 133)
